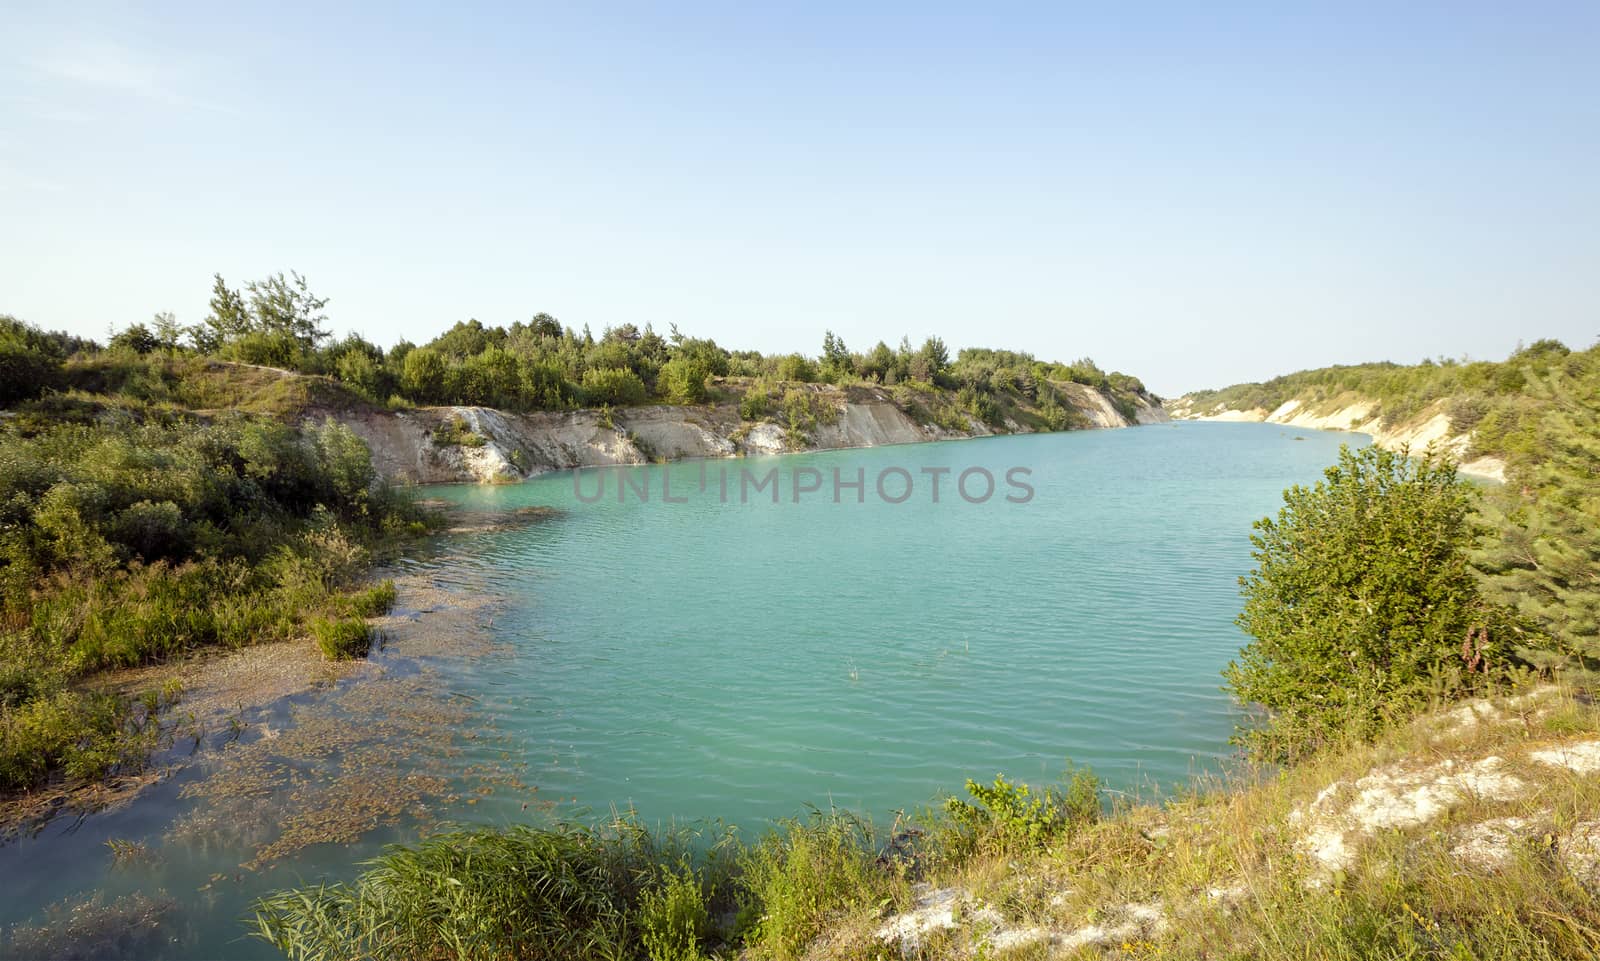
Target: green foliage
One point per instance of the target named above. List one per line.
(796, 367)
(683, 380)
(803, 410)
(1362, 604)
(87, 735)
(805, 873)
(567, 892)
(756, 402)
(673, 918)
(375, 601)
(456, 432)
(342, 639)
(613, 385)
(1484, 394)
(1016, 818)
(422, 376)
(1543, 555)
(136, 338)
(30, 360)
(138, 534)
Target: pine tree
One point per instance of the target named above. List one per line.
(1544, 558)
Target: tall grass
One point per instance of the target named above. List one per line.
(565, 892)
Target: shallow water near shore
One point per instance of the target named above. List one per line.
(735, 658)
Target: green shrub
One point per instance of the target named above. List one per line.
(673, 918)
(1015, 817)
(805, 873)
(755, 403)
(683, 380)
(85, 735)
(950, 418)
(803, 410)
(1362, 604)
(611, 385)
(796, 367)
(342, 639)
(456, 432)
(374, 601)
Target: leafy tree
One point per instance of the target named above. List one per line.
(29, 362)
(931, 360)
(835, 355)
(169, 333)
(359, 371)
(796, 367)
(877, 363)
(1362, 605)
(544, 325)
(683, 380)
(228, 321)
(467, 338)
(286, 306)
(422, 375)
(702, 349)
(136, 338)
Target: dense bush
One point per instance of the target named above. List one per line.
(30, 360)
(1363, 604)
(613, 385)
(683, 380)
(136, 535)
(1475, 390)
(278, 322)
(1539, 411)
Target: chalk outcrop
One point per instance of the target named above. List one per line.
(1350, 412)
(477, 444)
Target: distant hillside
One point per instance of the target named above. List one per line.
(1532, 419)
(1483, 412)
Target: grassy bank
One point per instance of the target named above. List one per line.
(1428, 863)
(135, 530)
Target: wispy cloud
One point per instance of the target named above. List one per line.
(118, 70)
(15, 182)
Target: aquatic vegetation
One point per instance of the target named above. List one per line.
(381, 751)
(95, 929)
(128, 852)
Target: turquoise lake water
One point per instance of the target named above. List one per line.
(721, 658)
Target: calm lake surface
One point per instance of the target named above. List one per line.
(720, 659)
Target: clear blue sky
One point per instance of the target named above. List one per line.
(1195, 193)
